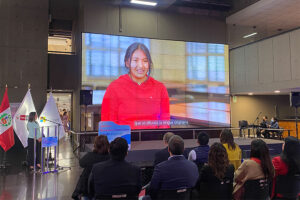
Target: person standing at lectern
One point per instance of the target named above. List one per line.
(32, 127)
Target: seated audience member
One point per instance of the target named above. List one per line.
(233, 150)
(99, 154)
(288, 163)
(175, 173)
(163, 154)
(115, 176)
(274, 124)
(200, 154)
(216, 177)
(259, 166)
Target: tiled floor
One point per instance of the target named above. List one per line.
(18, 183)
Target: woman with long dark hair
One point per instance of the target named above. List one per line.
(137, 99)
(288, 163)
(99, 154)
(33, 127)
(259, 166)
(216, 177)
(233, 150)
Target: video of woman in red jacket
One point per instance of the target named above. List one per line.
(137, 99)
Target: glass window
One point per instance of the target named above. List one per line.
(104, 56)
(205, 62)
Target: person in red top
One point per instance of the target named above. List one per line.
(137, 99)
(288, 162)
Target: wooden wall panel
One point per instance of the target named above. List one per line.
(290, 125)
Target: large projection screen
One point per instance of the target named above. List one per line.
(186, 86)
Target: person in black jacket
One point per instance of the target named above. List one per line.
(216, 177)
(163, 154)
(99, 154)
(115, 176)
(175, 173)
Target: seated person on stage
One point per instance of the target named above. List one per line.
(233, 150)
(163, 154)
(216, 177)
(115, 176)
(264, 124)
(200, 154)
(175, 173)
(274, 124)
(99, 154)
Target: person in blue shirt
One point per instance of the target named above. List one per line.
(274, 125)
(32, 127)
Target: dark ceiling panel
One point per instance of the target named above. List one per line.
(220, 5)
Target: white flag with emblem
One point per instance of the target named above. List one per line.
(50, 118)
(20, 119)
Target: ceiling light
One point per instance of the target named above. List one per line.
(277, 91)
(250, 35)
(250, 93)
(147, 3)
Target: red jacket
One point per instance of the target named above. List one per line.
(281, 168)
(125, 102)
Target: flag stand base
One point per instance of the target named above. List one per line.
(4, 164)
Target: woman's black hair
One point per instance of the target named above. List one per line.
(291, 154)
(259, 149)
(132, 48)
(226, 137)
(31, 117)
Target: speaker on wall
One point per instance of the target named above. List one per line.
(295, 99)
(86, 97)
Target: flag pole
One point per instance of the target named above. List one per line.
(4, 164)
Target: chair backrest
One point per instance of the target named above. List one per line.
(257, 189)
(216, 189)
(288, 186)
(116, 197)
(122, 192)
(179, 194)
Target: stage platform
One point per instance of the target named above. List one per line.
(142, 152)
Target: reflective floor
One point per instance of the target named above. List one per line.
(17, 182)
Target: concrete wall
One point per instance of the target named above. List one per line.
(108, 19)
(248, 107)
(268, 65)
(63, 71)
(23, 49)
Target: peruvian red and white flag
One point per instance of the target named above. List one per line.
(6, 129)
(20, 118)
